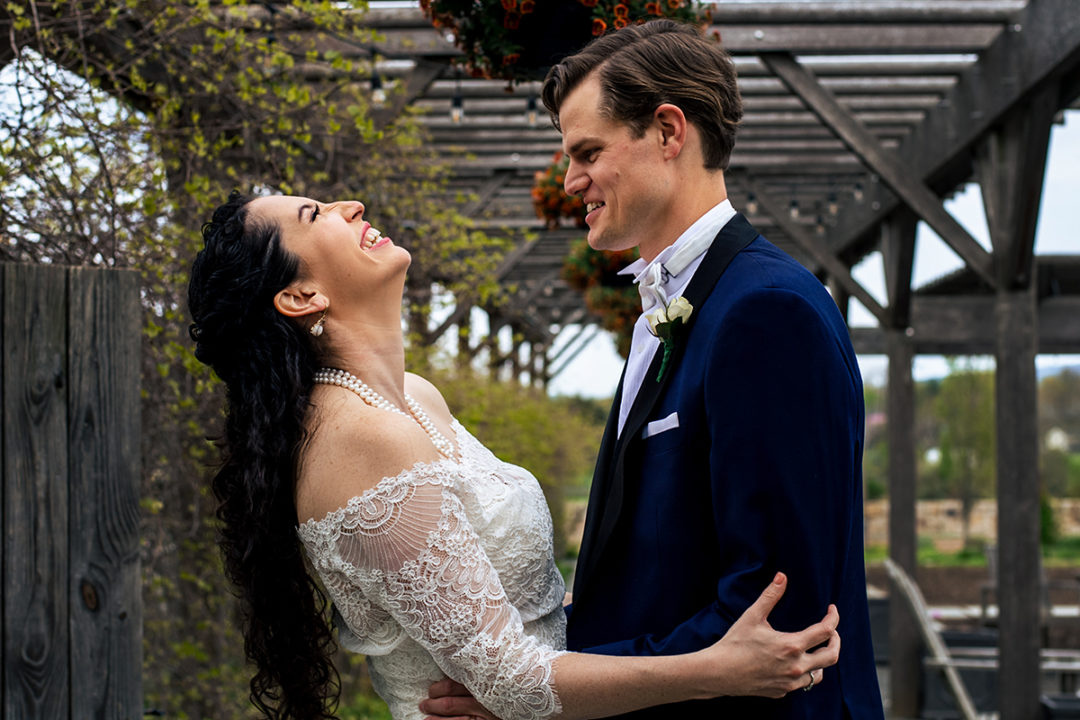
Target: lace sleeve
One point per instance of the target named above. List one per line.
(409, 547)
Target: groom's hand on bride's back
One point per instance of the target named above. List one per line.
(449, 700)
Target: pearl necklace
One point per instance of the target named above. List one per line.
(345, 379)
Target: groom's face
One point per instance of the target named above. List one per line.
(621, 178)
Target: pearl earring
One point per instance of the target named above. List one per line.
(317, 328)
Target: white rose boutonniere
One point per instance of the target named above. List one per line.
(665, 323)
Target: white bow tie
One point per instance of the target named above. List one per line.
(651, 286)
(670, 263)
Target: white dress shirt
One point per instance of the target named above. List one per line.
(687, 251)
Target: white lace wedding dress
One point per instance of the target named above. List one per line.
(447, 569)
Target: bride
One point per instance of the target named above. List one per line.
(343, 472)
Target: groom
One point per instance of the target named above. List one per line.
(734, 445)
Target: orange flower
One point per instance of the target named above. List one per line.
(588, 3)
(673, 4)
(598, 26)
(653, 8)
(619, 23)
(509, 4)
(511, 21)
(511, 58)
(621, 11)
(559, 179)
(557, 156)
(527, 6)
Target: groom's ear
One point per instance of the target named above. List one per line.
(298, 300)
(673, 126)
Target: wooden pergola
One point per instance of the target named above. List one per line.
(861, 116)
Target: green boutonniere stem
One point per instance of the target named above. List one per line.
(666, 333)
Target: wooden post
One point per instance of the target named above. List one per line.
(35, 422)
(69, 397)
(905, 663)
(1011, 167)
(1018, 499)
(103, 476)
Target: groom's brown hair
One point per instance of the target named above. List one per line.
(644, 66)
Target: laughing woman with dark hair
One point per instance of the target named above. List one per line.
(344, 474)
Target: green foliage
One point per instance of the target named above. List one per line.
(550, 437)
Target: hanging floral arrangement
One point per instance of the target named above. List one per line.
(550, 199)
(519, 39)
(613, 297)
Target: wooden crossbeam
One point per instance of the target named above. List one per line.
(1043, 41)
(903, 181)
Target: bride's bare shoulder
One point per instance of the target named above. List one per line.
(424, 392)
(350, 447)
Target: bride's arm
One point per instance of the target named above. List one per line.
(751, 659)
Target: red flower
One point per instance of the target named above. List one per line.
(509, 4)
(619, 23)
(511, 21)
(588, 3)
(511, 58)
(653, 8)
(598, 26)
(621, 11)
(527, 6)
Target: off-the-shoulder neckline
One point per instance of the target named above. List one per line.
(386, 482)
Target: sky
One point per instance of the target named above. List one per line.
(595, 371)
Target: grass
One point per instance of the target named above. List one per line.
(1063, 552)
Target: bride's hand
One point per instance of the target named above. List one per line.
(755, 659)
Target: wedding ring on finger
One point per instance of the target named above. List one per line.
(809, 687)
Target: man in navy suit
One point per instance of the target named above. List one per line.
(734, 445)
(739, 455)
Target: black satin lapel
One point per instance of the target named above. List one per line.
(598, 491)
(606, 496)
(733, 237)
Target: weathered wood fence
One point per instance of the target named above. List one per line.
(69, 464)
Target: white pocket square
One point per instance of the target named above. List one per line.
(658, 426)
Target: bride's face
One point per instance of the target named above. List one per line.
(338, 249)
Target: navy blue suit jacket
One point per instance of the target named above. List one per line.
(763, 474)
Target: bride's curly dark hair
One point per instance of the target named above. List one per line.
(267, 363)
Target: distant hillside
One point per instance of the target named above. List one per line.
(1042, 372)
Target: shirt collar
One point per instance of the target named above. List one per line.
(673, 261)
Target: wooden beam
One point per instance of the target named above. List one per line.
(487, 192)
(814, 247)
(904, 647)
(888, 165)
(1018, 490)
(1043, 42)
(1011, 168)
(577, 351)
(909, 11)
(948, 325)
(854, 39)
(898, 254)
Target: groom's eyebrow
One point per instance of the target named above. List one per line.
(579, 145)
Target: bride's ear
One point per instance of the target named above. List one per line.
(297, 301)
